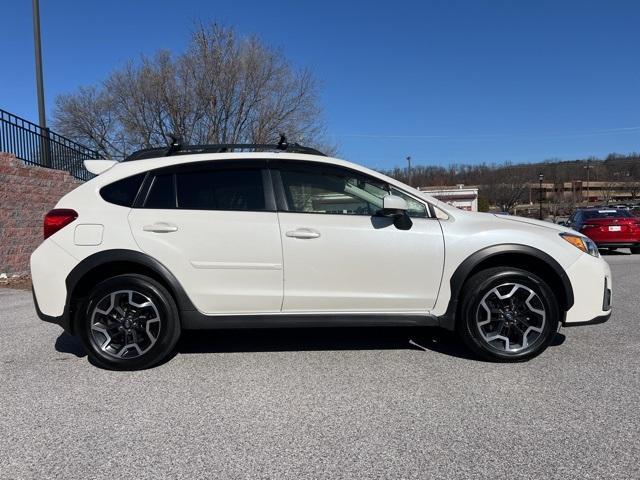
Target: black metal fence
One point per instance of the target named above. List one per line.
(42, 147)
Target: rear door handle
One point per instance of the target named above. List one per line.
(305, 233)
(160, 227)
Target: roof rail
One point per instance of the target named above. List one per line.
(176, 148)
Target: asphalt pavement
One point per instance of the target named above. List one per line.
(324, 403)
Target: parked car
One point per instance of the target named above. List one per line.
(208, 237)
(609, 228)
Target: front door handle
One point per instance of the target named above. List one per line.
(160, 227)
(303, 233)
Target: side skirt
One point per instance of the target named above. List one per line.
(198, 321)
(593, 321)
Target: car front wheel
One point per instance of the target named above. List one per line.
(508, 314)
(128, 322)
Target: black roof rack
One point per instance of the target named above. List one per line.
(176, 148)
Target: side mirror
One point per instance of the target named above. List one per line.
(396, 208)
(392, 203)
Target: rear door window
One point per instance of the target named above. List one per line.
(224, 189)
(210, 186)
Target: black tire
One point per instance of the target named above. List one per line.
(155, 327)
(635, 250)
(472, 311)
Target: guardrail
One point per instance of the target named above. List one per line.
(42, 147)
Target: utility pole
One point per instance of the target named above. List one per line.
(588, 167)
(410, 172)
(44, 144)
(540, 178)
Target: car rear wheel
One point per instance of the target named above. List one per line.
(128, 322)
(508, 314)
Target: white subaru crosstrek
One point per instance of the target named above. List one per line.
(207, 237)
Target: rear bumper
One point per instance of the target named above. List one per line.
(50, 266)
(63, 320)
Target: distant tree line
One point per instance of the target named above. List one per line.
(506, 185)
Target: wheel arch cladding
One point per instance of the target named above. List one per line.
(509, 255)
(99, 266)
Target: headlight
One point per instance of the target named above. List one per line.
(583, 243)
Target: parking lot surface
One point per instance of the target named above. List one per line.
(324, 403)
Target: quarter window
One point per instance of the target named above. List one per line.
(123, 192)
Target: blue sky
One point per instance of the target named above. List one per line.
(442, 81)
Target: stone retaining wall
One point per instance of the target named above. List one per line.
(27, 193)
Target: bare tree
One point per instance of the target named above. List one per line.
(634, 189)
(608, 191)
(89, 118)
(509, 190)
(505, 195)
(223, 89)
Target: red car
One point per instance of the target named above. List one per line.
(608, 227)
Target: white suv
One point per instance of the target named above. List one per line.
(209, 237)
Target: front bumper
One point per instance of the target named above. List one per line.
(592, 286)
(607, 244)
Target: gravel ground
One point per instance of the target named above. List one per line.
(329, 403)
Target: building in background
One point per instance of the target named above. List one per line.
(578, 191)
(464, 198)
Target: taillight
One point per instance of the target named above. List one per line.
(57, 219)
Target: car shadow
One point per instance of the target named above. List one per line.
(66, 343)
(558, 340)
(308, 339)
(319, 339)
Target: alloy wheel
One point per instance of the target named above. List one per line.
(511, 317)
(125, 324)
